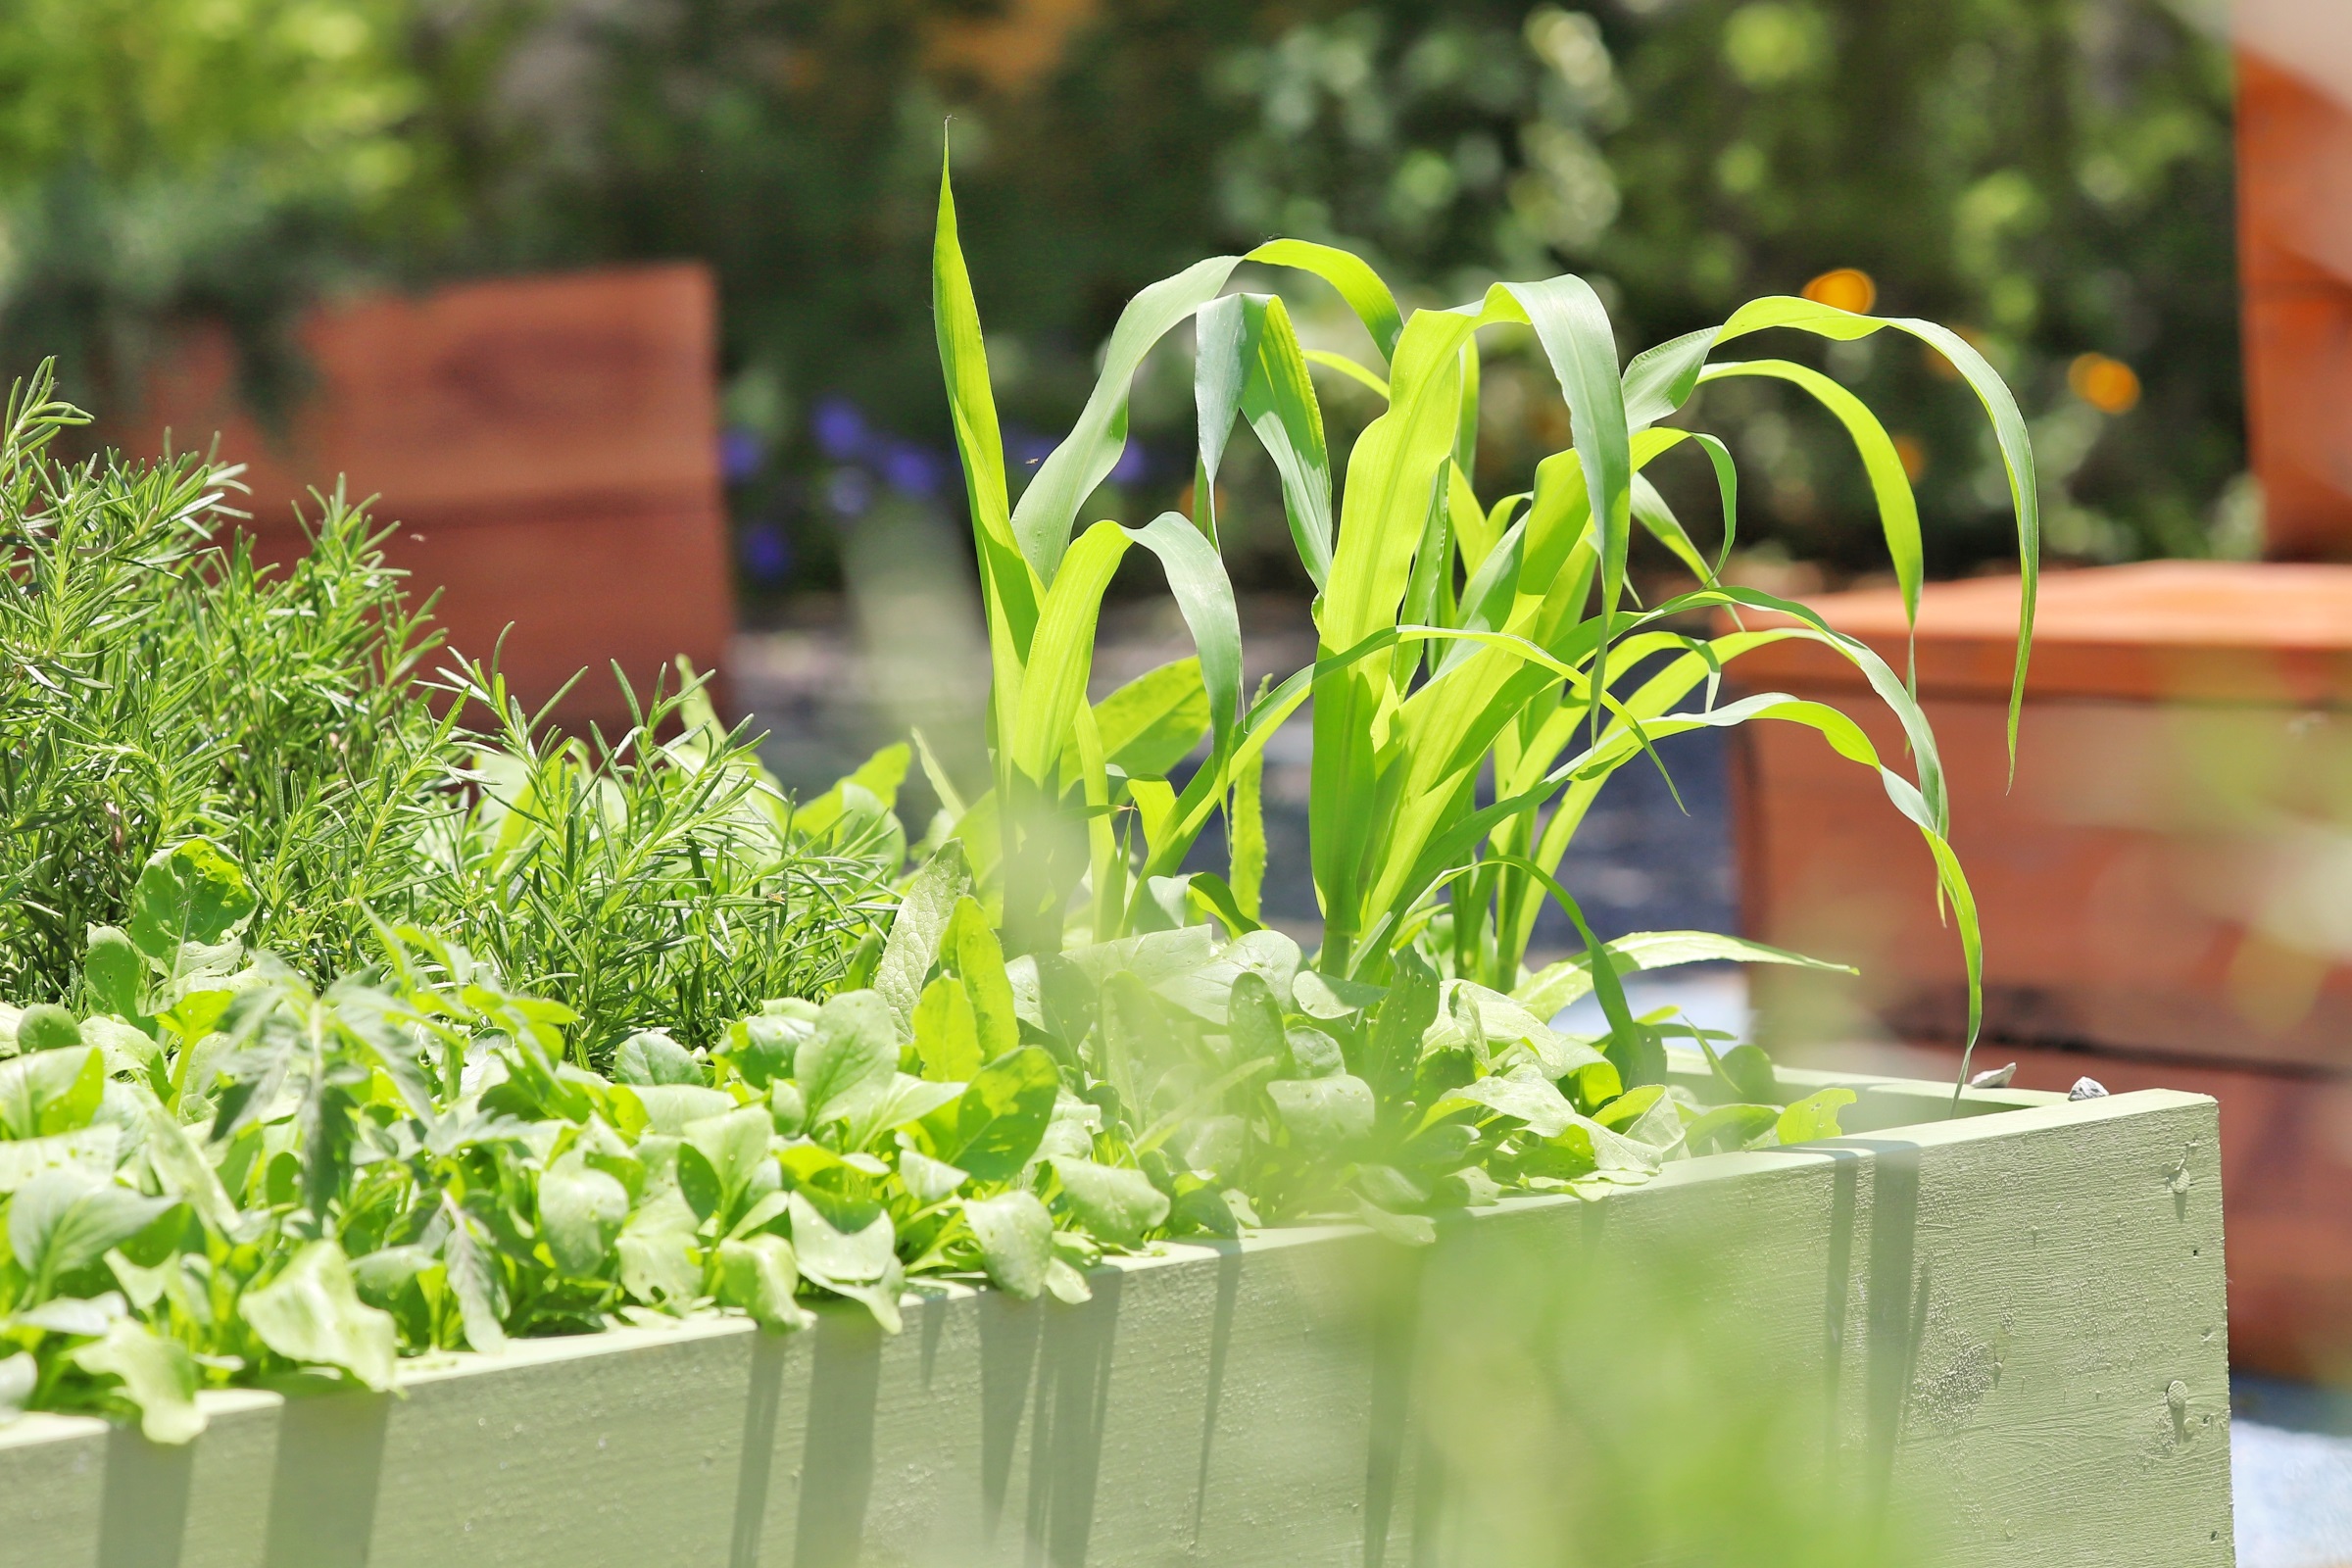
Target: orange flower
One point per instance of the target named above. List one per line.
(2108, 385)
(1848, 288)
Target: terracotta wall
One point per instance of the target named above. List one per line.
(548, 446)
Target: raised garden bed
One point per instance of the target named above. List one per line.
(1346, 1256)
(2009, 1325)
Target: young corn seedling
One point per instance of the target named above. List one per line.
(1457, 639)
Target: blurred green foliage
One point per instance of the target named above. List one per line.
(168, 157)
(2053, 174)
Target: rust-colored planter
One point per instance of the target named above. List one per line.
(2166, 889)
(2294, 160)
(548, 445)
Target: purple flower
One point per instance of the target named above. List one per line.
(910, 469)
(765, 551)
(739, 454)
(839, 429)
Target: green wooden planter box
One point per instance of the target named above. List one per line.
(1999, 1339)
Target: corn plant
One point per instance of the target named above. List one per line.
(1459, 639)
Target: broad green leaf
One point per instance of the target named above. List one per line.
(916, 930)
(581, 1210)
(1272, 956)
(1814, 1116)
(181, 1168)
(1215, 1144)
(1734, 1126)
(1070, 1131)
(1323, 1113)
(127, 1050)
(1394, 1042)
(47, 1027)
(1017, 1241)
(972, 946)
(1747, 1070)
(1214, 895)
(1118, 1204)
(760, 1276)
(158, 1378)
(1309, 1053)
(69, 1218)
(804, 1162)
(1630, 1107)
(400, 1280)
(657, 1252)
(946, 1035)
(929, 1180)
(190, 892)
(475, 1279)
(1588, 1145)
(113, 972)
(19, 1376)
(993, 1129)
(761, 1047)
(194, 1012)
(1066, 1283)
(1530, 1099)
(650, 1056)
(667, 1108)
(1254, 1019)
(311, 1313)
(83, 1316)
(1563, 983)
(905, 1100)
(90, 1148)
(1659, 1124)
(850, 1057)
(878, 777)
(729, 1151)
(1329, 995)
(859, 1265)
